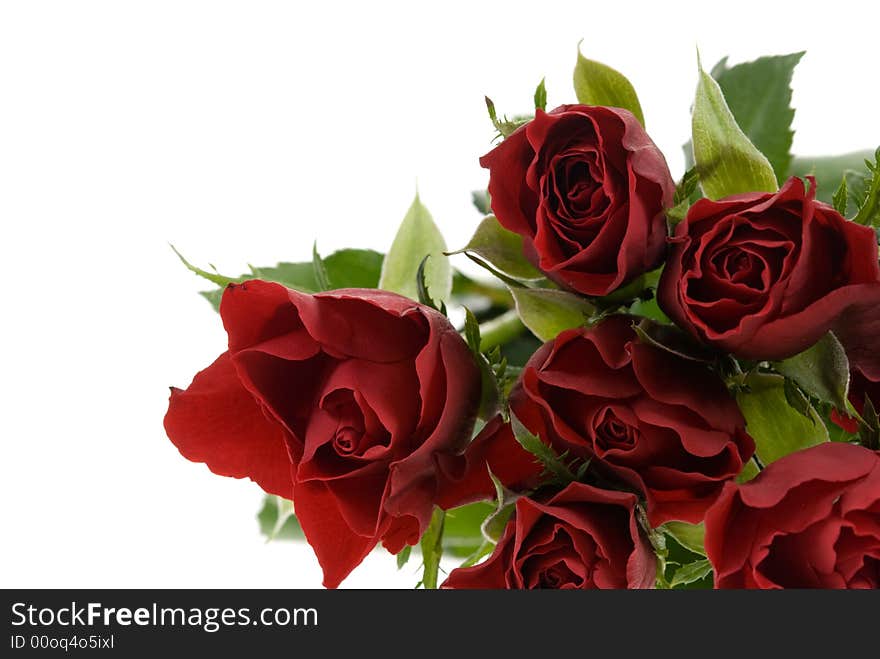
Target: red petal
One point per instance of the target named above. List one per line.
(338, 548)
(218, 422)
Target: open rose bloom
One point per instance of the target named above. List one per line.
(652, 385)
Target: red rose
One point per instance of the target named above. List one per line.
(665, 425)
(764, 275)
(586, 188)
(809, 520)
(582, 538)
(343, 400)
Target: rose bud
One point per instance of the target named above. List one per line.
(586, 188)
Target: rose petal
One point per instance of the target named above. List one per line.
(216, 421)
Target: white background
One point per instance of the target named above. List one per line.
(241, 131)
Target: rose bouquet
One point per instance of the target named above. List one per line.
(660, 385)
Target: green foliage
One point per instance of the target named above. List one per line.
(494, 245)
(541, 96)
(322, 279)
(867, 197)
(403, 556)
(689, 536)
(598, 84)
(424, 295)
(547, 312)
(671, 339)
(684, 191)
(829, 170)
(277, 520)
(758, 94)
(869, 428)
(839, 200)
(462, 534)
(432, 549)
(505, 501)
(556, 467)
(822, 371)
(346, 268)
(481, 201)
(777, 428)
(690, 573)
(417, 237)
(490, 373)
(796, 397)
(505, 127)
(726, 160)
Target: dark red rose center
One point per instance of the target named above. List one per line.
(351, 437)
(613, 433)
(557, 576)
(743, 267)
(575, 193)
(347, 440)
(553, 560)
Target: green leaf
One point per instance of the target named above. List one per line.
(432, 549)
(298, 276)
(547, 312)
(598, 84)
(493, 526)
(686, 187)
(472, 331)
(684, 191)
(354, 268)
(417, 237)
(758, 94)
(671, 339)
(553, 464)
(649, 309)
(483, 550)
(541, 96)
(505, 127)
(403, 556)
(462, 534)
(777, 428)
(424, 295)
(840, 197)
(346, 268)
(869, 428)
(277, 520)
(822, 371)
(795, 397)
(690, 573)
(869, 204)
(501, 330)
(214, 277)
(502, 249)
(481, 201)
(321, 276)
(490, 393)
(689, 536)
(727, 162)
(829, 170)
